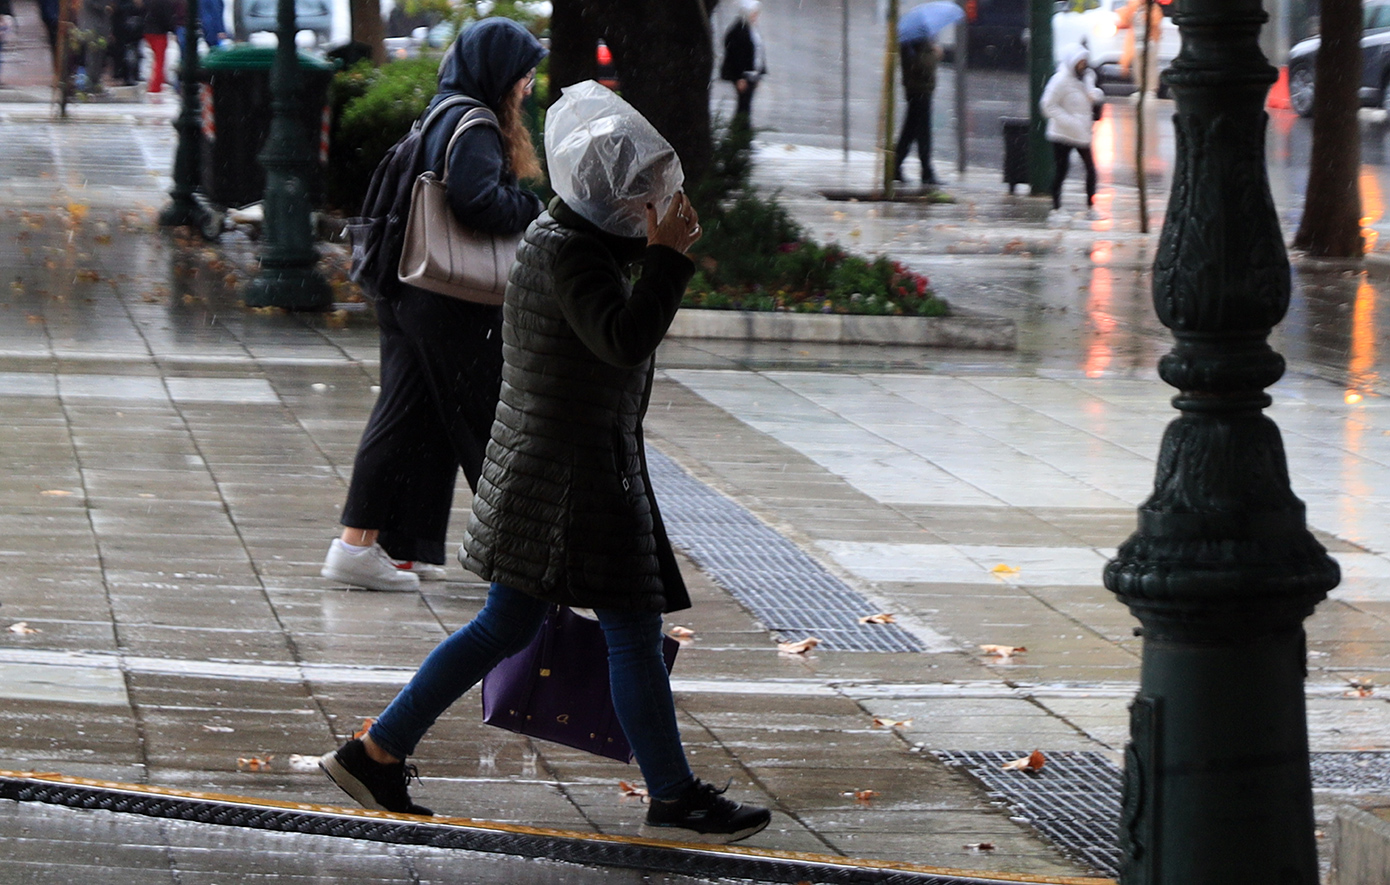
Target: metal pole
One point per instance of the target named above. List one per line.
(1040, 66)
(1140, 109)
(844, 76)
(288, 277)
(183, 207)
(890, 66)
(1222, 569)
(962, 106)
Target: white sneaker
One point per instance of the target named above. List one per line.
(425, 571)
(370, 568)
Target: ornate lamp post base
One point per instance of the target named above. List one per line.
(293, 288)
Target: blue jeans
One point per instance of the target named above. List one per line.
(636, 672)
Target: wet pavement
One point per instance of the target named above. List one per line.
(173, 464)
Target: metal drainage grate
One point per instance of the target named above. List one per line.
(701, 861)
(1074, 800)
(786, 589)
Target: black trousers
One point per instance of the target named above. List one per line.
(745, 101)
(916, 129)
(1061, 160)
(441, 370)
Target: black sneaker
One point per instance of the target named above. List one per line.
(704, 815)
(373, 784)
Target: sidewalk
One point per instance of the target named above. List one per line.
(174, 464)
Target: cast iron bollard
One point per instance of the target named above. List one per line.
(183, 207)
(288, 277)
(1222, 570)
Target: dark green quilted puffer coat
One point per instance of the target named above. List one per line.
(564, 510)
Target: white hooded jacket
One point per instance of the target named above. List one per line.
(1067, 100)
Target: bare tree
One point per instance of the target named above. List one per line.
(1331, 224)
(664, 54)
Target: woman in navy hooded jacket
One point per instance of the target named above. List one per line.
(441, 358)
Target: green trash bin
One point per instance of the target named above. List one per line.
(236, 121)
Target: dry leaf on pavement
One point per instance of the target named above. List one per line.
(880, 618)
(863, 797)
(1002, 569)
(55, 493)
(22, 628)
(303, 763)
(362, 732)
(681, 634)
(632, 791)
(979, 846)
(254, 763)
(798, 648)
(1003, 651)
(1034, 761)
(1360, 688)
(880, 722)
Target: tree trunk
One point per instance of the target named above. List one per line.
(663, 53)
(368, 28)
(1331, 224)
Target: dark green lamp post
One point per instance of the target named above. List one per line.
(184, 207)
(1222, 570)
(289, 275)
(1040, 68)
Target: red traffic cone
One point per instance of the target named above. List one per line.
(1279, 93)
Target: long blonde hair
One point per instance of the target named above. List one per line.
(516, 138)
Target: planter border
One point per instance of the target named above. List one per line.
(963, 330)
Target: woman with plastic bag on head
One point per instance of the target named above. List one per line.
(564, 512)
(441, 357)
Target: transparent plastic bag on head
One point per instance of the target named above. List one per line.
(606, 161)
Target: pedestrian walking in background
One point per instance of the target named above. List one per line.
(565, 513)
(49, 11)
(162, 18)
(441, 358)
(919, 61)
(745, 60)
(213, 17)
(127, 28)
(1069, 102)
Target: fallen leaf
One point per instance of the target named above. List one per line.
(979, 846)
(22, 628)
(55, 493)
(632, 791)
(880, 722)
(798, 648)
(880, 618)
(863, 797)
(145, 495)
(254, 763)
(220, 729)
(1360, 688)
(303, 763)
(681, 632)
(1034, 761)
(362, 732)
(1003, 651)
(1002, 569)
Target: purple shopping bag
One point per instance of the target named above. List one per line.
(557, 689)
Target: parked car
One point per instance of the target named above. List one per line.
(1095, 24)
(1375, 62)
(250, 16)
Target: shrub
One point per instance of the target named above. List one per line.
(373, 107)
(754, 255)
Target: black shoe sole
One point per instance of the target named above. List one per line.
(677, 833)
(348, 783)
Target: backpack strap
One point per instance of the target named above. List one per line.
(477, 116)
(452, 101)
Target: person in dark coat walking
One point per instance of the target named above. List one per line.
(565, 512)
(127, 27)
(919, 60)
(441, 358)
(745, 61)
(162, 18)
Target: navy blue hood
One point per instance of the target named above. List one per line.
(487, 59)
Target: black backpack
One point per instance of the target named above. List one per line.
(377, 236)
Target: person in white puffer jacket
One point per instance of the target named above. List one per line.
(1067, 102)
